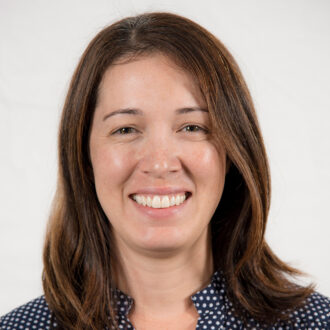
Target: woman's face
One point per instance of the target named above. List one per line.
(149, 142)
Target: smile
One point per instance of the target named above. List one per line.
(160, 201)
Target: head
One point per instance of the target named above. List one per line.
(229, 163)
(151, 149)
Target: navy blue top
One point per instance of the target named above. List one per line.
(213, 306)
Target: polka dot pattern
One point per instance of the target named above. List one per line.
(33, 315)
(214, 308)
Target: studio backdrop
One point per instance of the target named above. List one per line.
(283, 49)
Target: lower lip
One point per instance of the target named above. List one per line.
(161, 213)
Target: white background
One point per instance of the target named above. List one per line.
(283, 48)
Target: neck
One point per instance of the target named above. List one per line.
(159, 283)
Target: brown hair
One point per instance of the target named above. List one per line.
(78, 274)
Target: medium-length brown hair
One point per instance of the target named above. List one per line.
(78, 273)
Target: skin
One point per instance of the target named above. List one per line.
(164, 261)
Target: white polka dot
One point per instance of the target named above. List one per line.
(214, 308)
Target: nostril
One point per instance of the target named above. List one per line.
(159, 165)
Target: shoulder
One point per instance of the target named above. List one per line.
(314, 314)
(33, 315)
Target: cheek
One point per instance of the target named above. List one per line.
(111, 166)
(210, 167)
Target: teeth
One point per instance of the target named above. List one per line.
(173, 199)
(158, 202)
(165, 202)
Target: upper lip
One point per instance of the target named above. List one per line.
(160, 190)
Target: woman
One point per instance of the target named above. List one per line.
(163, 194)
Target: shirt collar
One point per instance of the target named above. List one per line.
(207, 301)
(124, 302)
(211, 300)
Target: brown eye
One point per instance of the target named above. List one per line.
(123, 131)
(195, 129)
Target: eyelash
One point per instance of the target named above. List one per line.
(204, 130)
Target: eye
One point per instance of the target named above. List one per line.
(123, 131)
(195, 129)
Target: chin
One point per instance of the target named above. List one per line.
(164, 241)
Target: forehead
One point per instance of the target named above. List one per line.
(154, 77)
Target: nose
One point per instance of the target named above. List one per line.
(159, 157)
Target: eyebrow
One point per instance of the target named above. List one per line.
(133, 111)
